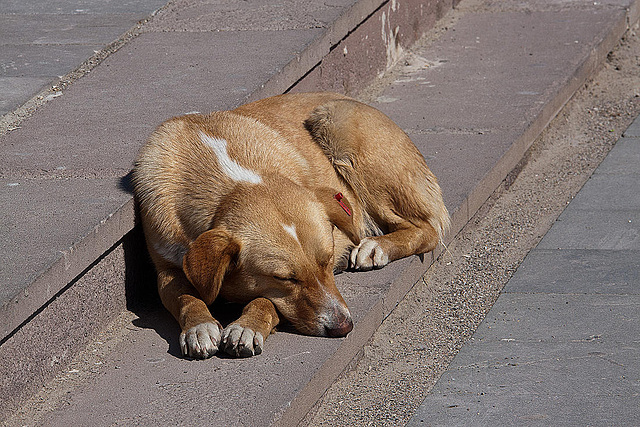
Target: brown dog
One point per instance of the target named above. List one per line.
(261, 204)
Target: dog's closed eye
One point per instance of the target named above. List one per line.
(291, 279)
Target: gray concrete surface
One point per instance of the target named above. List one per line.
(503, 91)
(41, 41)
(472, 121)
(560, 346)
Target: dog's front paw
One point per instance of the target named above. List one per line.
(201, 341)
(368, 255)
(241, 342)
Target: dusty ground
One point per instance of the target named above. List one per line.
(421, 336)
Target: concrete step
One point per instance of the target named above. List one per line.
(47, 44)
(473, 98)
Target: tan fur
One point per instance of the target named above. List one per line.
(241, 205)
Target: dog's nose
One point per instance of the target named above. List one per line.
(340, 328)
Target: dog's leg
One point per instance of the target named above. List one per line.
(407, 239)
(388, 175)
(201, 333)
(245, 337)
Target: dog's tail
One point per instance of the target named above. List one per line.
(348, 145)
(338, 145)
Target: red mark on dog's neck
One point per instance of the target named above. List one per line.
(339, 198)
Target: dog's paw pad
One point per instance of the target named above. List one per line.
(241, 342)
(368, 255)
(201, 341)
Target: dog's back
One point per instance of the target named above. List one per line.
(365, 148)
(191, 163)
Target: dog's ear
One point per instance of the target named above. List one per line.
(208, 260)
(340, 212)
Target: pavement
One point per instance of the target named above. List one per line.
(43, 42)
(561, 345)
(473, 98)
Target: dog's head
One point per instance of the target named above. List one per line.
(277, 242)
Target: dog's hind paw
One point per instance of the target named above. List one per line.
(201, 341)
(239, 341)
(368, 255)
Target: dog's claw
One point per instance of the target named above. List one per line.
(241, 342)
(201, 341)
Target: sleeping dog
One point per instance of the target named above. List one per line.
(261, 205)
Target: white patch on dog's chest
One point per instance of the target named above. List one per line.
(229, 166)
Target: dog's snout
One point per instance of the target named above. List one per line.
(341, 325)
(341, 329)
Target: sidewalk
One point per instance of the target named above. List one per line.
(561, 346)
(473, 100)
(43, 41)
